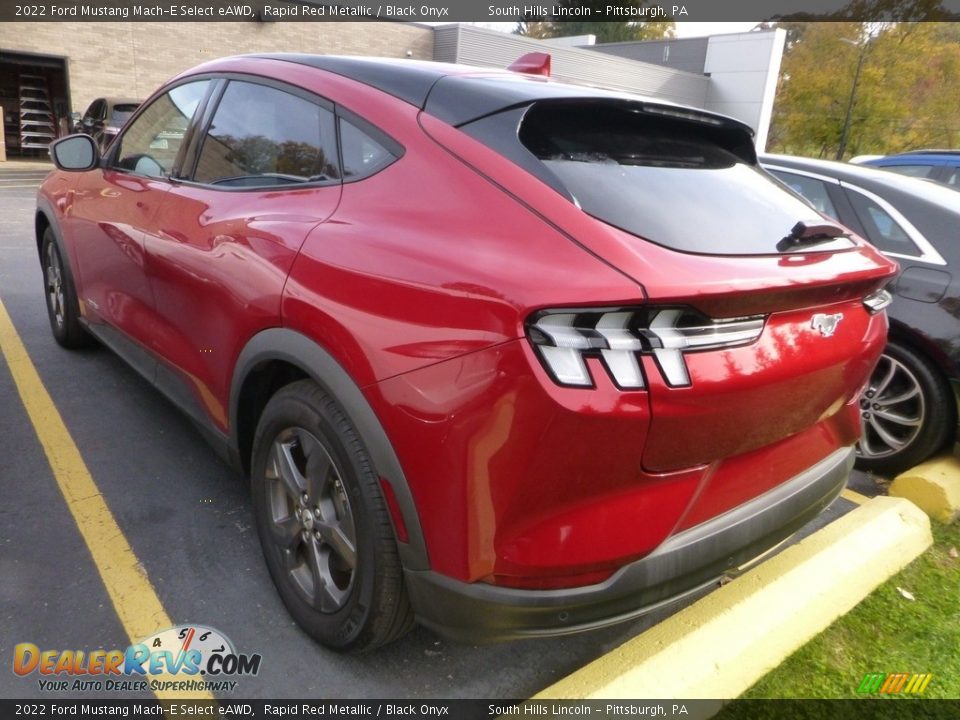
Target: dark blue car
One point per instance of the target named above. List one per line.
(940, 165)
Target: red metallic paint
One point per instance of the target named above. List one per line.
(786, 382)
(418, 281)
(228, 253)
(110, 214)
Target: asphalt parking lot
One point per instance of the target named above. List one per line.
(187, 518)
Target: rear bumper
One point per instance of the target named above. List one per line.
(475, 612)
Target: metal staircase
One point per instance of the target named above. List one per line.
(37, 126)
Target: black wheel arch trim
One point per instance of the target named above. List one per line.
(45, 209)
(289, 346)
(903, 334)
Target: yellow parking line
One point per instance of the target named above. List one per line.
(853, 496)
(15, 187)
(133, 597)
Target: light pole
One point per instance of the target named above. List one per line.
(845, 133)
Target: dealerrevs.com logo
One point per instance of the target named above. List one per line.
(182, 658)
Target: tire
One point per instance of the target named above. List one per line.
(63, 309)
(907, 412)
(331, 550)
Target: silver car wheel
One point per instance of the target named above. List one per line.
(892, 410)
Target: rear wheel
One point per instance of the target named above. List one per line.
(907, 412)
(62, 305)
(323, 523)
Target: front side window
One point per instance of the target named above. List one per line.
(95, 111)
(263, 137)
(150, 144)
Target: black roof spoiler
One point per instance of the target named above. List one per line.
(457, 99)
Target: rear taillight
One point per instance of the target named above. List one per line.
(877, 301)
(563, 338)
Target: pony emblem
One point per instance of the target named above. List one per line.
(826, 324)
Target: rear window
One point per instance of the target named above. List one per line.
(684, 184)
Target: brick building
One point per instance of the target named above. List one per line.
(62, 67)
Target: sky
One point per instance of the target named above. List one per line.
(697, 29)
(684, 29)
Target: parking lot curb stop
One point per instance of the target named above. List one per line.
(722, 644)
(933, 486)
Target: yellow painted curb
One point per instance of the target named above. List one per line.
(933, 486)
(853, 496)
(722, 644)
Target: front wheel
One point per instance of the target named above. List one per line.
(907, 412)
(62, 305)
(323, 523)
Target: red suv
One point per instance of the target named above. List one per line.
(501, 355)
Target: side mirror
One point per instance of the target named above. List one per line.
(75, 152)
(74, 119)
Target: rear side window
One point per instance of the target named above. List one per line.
(363, 155)
(812, 189)
(882, 230)
(675, 182)
(953, 177)
(263, 137)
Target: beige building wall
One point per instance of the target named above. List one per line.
(132, 59)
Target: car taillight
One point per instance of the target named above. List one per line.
(877, 301)
(563, 338)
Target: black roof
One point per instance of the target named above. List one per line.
(457, 95)
(410, 81)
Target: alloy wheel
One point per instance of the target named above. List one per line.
(892, 410)
(311, 520)
(55, 296)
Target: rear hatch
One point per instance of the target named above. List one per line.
(753, 326)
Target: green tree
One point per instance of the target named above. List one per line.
(906, 94)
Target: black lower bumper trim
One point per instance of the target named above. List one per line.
(686, 562)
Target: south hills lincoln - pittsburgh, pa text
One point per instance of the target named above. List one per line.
(607, 11)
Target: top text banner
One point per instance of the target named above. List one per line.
(473, 10)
